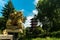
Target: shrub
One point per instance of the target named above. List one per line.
(55, 34)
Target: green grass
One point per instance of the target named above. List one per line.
(47, 38)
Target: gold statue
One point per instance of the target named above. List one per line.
(5, 32)
(15, 21)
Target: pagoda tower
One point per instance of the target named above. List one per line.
(34, 22)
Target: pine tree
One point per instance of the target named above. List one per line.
(7, 9)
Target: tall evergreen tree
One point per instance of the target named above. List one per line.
(7, 9)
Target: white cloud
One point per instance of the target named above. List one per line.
(39, 23)
(35, 2)
(2, 2)
(35, 12)
(27, 23)
(22, 10)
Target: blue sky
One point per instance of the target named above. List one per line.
(28, 7)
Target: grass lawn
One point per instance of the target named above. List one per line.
(47, 38)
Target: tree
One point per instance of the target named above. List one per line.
(7, 9)
(2, 23)
(49, 14)
(35, 32)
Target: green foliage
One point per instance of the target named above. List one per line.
(2, 23)
(22, 36)
(34, 32)
(55, 34)
(47, 38)
(0, 31)
(7, 9)
(49, 14)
